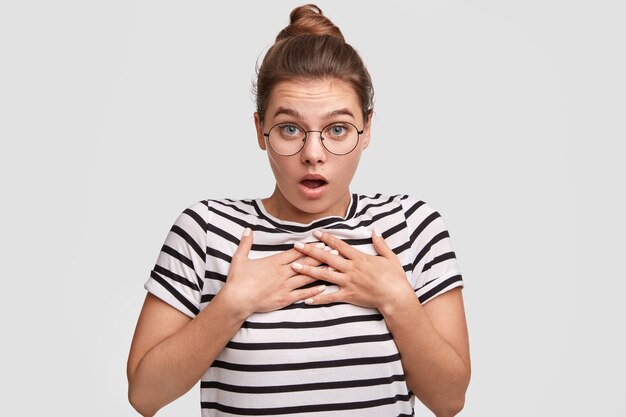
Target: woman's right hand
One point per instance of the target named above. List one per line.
(266, 284)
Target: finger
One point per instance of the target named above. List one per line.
(333, 297)
(344, 249)
(304, 260)
(307, 260)
(334, 252)
(243, 249)
(323, 274)
(299, 280)
(330, 258)
(381, 245)
(290, 255)
(306, 293)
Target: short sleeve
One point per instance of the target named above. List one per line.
(433, 263)
(177, 276)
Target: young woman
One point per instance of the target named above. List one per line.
(316, 300)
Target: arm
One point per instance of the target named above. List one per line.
(433, 344)
(170, 351)
(432, 339)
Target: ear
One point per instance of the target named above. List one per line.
(367, 130)
(259, 131)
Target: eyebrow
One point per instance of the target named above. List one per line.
(289, 112)
(293, 113)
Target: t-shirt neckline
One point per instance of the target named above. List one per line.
(303, 227)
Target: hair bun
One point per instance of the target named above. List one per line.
(309, 20)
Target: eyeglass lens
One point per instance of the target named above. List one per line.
(338, 138)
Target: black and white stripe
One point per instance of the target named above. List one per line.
(336, 359)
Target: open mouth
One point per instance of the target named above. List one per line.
(313, 184)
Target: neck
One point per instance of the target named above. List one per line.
(278, 206)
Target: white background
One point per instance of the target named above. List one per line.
(504, 116)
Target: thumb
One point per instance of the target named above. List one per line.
(381, 245)
(245, 244)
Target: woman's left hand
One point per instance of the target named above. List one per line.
(365, 280)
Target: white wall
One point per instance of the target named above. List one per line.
(507, 117)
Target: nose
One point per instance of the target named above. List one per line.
(313, 151)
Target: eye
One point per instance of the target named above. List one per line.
(337, 130)
(289, 130)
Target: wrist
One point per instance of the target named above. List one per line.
(396, 299)
(233, 300)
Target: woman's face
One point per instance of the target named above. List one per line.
(313, 183)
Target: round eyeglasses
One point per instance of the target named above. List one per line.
(287, 139)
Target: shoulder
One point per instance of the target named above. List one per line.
(198, 212)
(219, 215)
(227, 207)
(380, 200)
(208, 205)
(408, 204)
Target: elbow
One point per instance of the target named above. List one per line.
(135, 397)
(451, 408)
(140, 408)
(453, 403)
(139, 404)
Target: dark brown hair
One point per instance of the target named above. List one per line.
(312, 47)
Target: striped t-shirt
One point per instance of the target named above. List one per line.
(306, 360)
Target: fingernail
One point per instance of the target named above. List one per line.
(299, 245)
(377, 232)
(297, 266)
(317, 234)
(308, 301)
(246, 231)
(321, 288)
(327, 248)
(320, 245)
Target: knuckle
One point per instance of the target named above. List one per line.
(310, 271)
(292, 299)
(338, 245)
(347, 281)
(324, 273)
(331, 298)
(313, 292)
(328, 257)
(280, 300)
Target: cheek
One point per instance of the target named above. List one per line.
(349, 165)
(346, 172)
(280, 166)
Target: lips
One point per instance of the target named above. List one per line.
(313, 181)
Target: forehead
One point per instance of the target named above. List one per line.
(312, 98)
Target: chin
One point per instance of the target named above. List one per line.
(322, 206)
